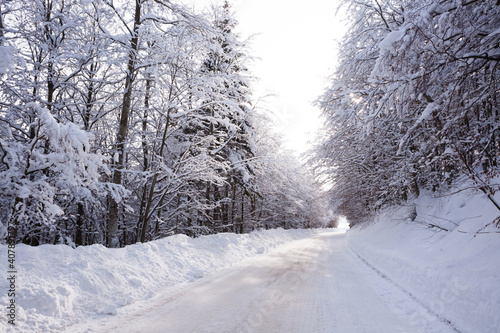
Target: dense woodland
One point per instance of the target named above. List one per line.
(413, 105)
(127, 121)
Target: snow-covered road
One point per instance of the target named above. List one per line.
(315, 284)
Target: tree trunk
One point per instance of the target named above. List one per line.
(145, 150)
(208, 210)
(79, 225)
(253, 212)
(13, 226)
(225, 209)
(216, 217)
(242, 210)
(121, 137)
(233, 207)
(147, 213)
(145, 153)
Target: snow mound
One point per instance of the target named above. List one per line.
(59, 286)
(446, 258)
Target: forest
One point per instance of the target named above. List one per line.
(128, 121)
(413, 105)
(143, 178)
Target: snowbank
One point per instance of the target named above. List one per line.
(455, 273)
(58, 286)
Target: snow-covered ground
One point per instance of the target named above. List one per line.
(58, 286)
(394, 275)
(454, 274)
(312, 285)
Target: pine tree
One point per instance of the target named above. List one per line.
(227, 119)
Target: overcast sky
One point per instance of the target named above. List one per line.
(296, 44)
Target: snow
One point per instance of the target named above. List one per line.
(496, 32)
(59, 286)
(435, 273)
(454, 274)
(429, 109)
(426, 113)
(426, 15)
(5, 59)
(310, 285)
(449, 151)
(387, 43)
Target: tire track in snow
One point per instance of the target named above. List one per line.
(416, 299)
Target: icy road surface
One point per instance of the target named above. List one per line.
(312, 285)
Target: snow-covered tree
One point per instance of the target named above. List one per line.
(413, 103)
(137, 40)
(128, 121)
(46, 165)
(48, 161)
(225, 115)
(287, 193)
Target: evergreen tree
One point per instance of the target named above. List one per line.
(227, 119)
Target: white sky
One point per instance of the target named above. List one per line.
(296, 44)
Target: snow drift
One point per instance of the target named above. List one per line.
(446, 258)
(59, 286)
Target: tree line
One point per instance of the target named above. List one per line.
(124, 122)
(413, 104)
